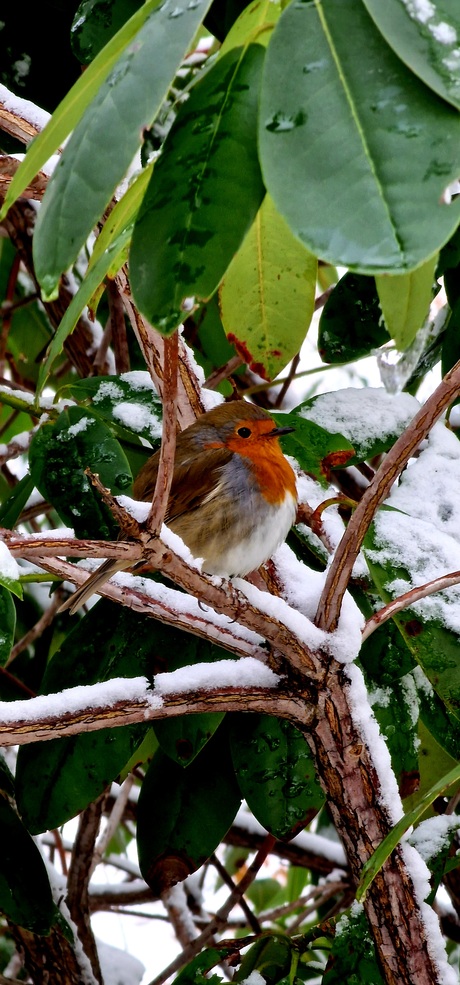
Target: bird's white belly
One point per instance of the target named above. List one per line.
(249, 552)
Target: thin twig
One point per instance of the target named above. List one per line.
(221, 916)
(407, 599)
(113, 821)
(342, 564)
(223, 372)
(227, 879)
(168, 438)
(117, 323)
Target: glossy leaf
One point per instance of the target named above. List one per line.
(341, 156)
(126, 103)
(344, 412)
(351, 324)
(197, 209)
(60, 453)
(7, 624)
(13, 505)
(194, 973)
(425, 37)
(271, 956)
(128, 401)
(276, 773)
(25, 892)
(73, 106)
(267, 296)
(96, 22)
(254, 25)
(352, 957)
(316, 450)
(435, 647)
(182, 738)
(184, 813)
(405, 301)
(57, 779)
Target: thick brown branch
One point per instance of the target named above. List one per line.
(95, 713)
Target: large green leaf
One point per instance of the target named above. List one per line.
(182, 738)
(316, 450)
(58, 778)
(25, 892)
(197, 208)
(95, 23)
(128, 401)
(425, 36)
(350, 325)
(72, 106)
(344, 140)
(276, 773)
(183, 814)
(267, 296)
(106, 138)
(59, 454)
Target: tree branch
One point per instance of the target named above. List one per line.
(408, 598)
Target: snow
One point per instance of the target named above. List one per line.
(244, 673)
(308, 841)
(77, 428)
(362, 415)
(303, 588)
(420, 10)
(254, 978)
(137, 417)
(76, 699)
(424, 539)
(444, 33)
(420, 875)
(8, 566)
(433, 835)
(24, 109)
(366, 724)
(118, 967)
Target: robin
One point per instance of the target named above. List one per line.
(233, 493)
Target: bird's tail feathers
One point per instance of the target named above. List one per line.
(92, 585)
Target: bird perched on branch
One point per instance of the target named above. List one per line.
(233, 493)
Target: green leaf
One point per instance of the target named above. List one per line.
(425, 37)
(194, 973)
(352, 412)
(351, 324)
(59, 454)
(73, 106)
(341, 155)
(13, 506)
(128, 401)
(197, 210)
(7, 624)
(8, 577)
(183, 738)
(276, 773)
(126, 103)
(57, 779)
(434, 646)
(316, 450)
(254, 25)
(352, 957)
(25, 892)
(394, 711)
(405, 301)
(183, 814)
(113, 255)
(271, 956)
(387, 846)
(96, 22)
(267, 296)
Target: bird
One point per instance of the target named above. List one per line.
(233, 494)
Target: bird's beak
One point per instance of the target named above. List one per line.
(277, 431)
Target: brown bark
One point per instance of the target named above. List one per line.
(49, 960)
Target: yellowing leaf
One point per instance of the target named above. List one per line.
(405, 301)
(268, 293)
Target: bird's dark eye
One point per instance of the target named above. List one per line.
(244, 432)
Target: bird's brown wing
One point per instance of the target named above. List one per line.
(193, 481)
